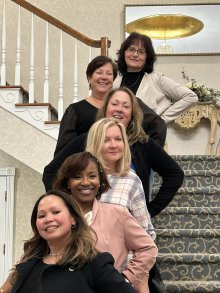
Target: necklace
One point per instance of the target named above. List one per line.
(124, 82)
(55, 254)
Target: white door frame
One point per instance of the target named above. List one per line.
(8, 230)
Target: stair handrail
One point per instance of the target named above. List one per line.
(103, 43)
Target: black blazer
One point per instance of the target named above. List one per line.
(98, 276)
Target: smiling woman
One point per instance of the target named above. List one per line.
(78, 117)
(62, 255)
(84, 178)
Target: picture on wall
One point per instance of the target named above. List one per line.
(177, 29)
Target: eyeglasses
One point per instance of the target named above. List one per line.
(132, 50)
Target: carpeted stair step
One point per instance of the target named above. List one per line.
(192, 286)
(188, 218)
(188, 240)
(196, 178)
(195, 197)
(195, 162)
(189, 267)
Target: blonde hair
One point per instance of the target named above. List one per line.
(96, 138)
(134, 131)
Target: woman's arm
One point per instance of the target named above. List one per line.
(182, 98)
(171, 173)
(138, 207)
(75, 146)
(7, 286)
(67, 129)
(153, 124)
(106, 278)
(144, 252)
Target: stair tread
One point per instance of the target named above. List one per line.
(192, 286)
(188, 232)
(194, 190)
(191, 210)
(190, 258)
(195, 157)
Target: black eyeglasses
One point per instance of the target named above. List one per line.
(132, 50)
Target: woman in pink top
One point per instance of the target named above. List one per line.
(118, 232)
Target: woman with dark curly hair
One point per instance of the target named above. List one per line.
(136, 59)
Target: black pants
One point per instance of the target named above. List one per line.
(155, 281)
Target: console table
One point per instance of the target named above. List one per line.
(192, 117)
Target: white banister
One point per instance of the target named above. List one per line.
(3, 64)
(60, 101)
(31, 83)
(75, 77)
(46, 68)
(90, 58)
(18, 51)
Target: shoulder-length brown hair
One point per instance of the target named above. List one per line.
(134, 130)
(146, 42)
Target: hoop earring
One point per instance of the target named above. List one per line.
(73, 226)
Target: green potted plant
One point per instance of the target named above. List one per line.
(205, 94)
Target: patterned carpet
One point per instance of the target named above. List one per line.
(188, 230)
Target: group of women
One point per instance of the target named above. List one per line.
(108, 145)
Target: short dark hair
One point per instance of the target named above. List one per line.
(98, 62)
(148, 46)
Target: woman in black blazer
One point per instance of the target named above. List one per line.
(61, 256)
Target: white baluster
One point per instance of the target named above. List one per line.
(75, 77)
(90, 58)
(31, 83)
(46, 68)
(60, 101)
(18, 51)
(3, 64)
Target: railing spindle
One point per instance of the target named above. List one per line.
(46, 68)
(31, 83)
(75, 77)
(3, 64)
(60, 101)
(18, 51)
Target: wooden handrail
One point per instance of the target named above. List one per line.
(104, 43)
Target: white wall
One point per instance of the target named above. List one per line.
(28, 187)
(94, 18)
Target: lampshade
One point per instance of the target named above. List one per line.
(165, 26)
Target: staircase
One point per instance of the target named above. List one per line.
(188, 230)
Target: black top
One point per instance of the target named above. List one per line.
(145, 156)
(97, 276)
(132, 80)
(76, 120)
(32, 282)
